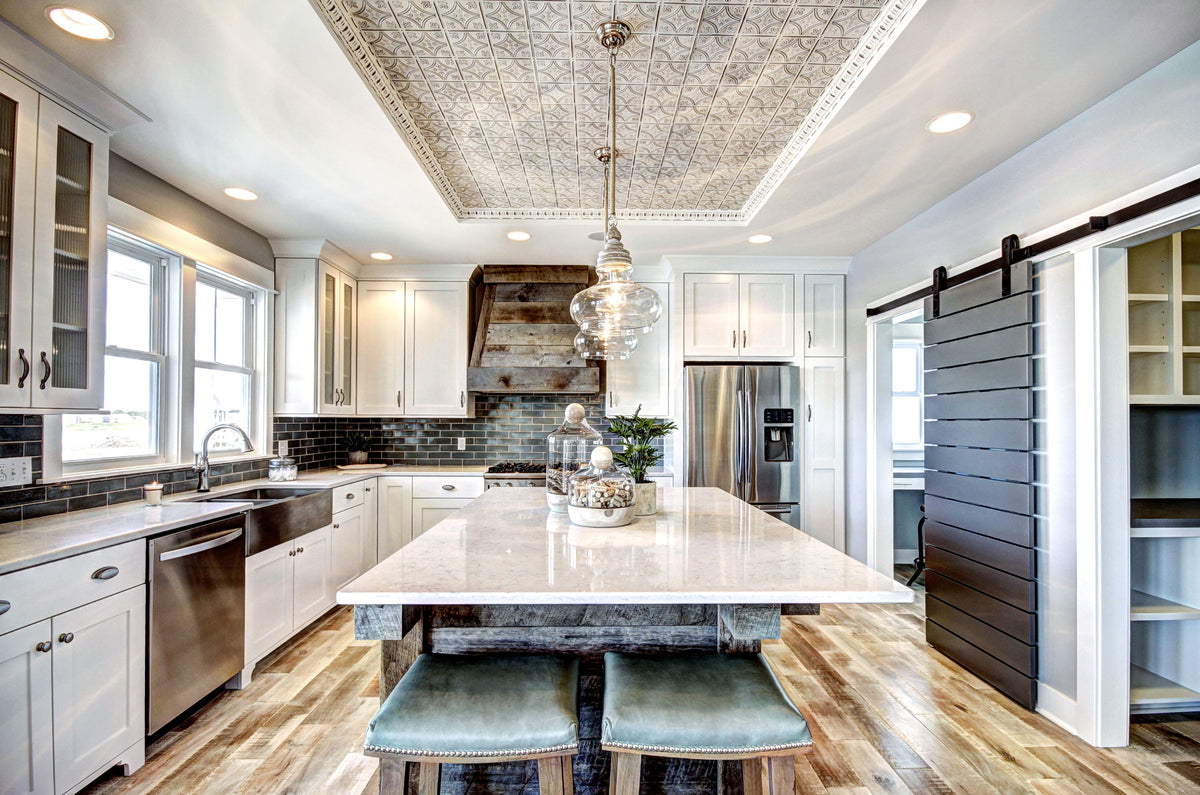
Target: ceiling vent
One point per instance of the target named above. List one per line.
(524, 340)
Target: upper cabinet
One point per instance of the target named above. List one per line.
(729, 316)
(315, 314)
(644, 378)
(53, 192)
(824, 315)
(413, 348)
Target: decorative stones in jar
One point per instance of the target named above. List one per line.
(567, 449)
(600, 495)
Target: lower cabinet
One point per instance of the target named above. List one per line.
(428, 512)
(348, 538)
(437, 497)
(286, 587)
(395, 514)
(824, 489)
(74, 693)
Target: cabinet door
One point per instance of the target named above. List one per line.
(824, 315)
(435, 349)
(18, 159)
(428, 512)
(767, 307)
(312, 588)
(395, 514)
(26, 724)
(380, 372)
(644, 378)
(335, 353)
(710, 314)
(346, 545)
(99, 677)
(347, 313)
(370, 540)
(824, 450)
(69, 241)
(269, 577)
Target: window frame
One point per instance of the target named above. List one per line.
(251, 338)
(918, 346)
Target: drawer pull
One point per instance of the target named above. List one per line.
(5, 606)
(66, 637)
(447, 487)
(349, 495)
(105, 573)
(44, 646)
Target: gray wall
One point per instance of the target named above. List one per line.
(137, 187)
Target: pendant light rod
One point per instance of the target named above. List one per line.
(612, 35)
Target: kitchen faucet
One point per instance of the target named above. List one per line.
(201, 464)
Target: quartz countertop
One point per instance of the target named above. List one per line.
(34, 541)
(703, 546)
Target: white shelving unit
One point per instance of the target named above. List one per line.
(1164, 320)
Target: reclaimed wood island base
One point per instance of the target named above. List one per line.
(707, 573)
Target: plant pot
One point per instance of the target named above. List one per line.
(358, 456)
(645, 499)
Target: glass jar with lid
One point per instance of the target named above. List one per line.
(600, 494)
(567, 449)
(281, 469)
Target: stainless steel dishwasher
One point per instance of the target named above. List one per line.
(197, 615)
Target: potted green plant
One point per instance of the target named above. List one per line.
(357, 445)
(638, 434)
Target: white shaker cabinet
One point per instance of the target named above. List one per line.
(395, 514)
(381, 348)
(26, 723)
(435, 349)
(287, 586)
(644, 378)
(312, 586)
(437, 498)
(824, 502)
(370, 538)
(731, 316)
(824, 315)
(53, 235)
(347, 533)
(315, 312)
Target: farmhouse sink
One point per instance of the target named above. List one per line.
(278, 514)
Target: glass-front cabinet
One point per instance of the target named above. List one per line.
(337, 341)
(53, 187)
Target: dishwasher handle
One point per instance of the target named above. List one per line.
(203, 546)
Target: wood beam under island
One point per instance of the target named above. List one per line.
(707, 573)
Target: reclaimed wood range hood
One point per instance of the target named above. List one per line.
(524, 340)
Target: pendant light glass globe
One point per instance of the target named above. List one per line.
(615, 304)
(620, 345)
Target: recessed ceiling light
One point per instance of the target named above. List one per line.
(949, 122)
(241, 194)
(382, 256)
(79, 23)
(757, 239)
(518, 236)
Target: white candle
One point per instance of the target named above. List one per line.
(153, 493)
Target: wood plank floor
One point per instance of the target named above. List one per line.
(889, 715)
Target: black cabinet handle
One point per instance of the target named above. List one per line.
(5, 606)
(44, 646)
(66, 637)
(105, 573)
(25, 368)
(46, 364)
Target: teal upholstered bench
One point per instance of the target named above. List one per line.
(482, 709)
(703, 706)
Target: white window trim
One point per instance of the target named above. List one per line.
(920, 349)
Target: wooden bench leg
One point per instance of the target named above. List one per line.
(752, 776)
(431, 778)
(555, 776)
(783, 774)
(625, 776)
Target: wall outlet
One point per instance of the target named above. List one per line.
(16, 471)
(282, 447)
(462, 443)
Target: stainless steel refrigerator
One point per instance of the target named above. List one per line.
(743, 435)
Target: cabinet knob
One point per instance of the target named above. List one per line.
(336, 525)
(105, 573)
(298, 551)
(66, 637)
(367, 488)
(349, 495)
(292, 553)
(447, 487)
(44, 646)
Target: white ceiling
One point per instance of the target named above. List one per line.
(258, 94)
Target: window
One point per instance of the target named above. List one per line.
(134, 363)
(908, 431)
(224, 372)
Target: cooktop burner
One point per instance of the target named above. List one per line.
(517, 468)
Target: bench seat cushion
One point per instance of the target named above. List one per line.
(721, 704)
(480, 706)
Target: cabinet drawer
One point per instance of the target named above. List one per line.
(466, 487)
(348, 496)
(52, 588)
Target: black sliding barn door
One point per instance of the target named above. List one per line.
(980, 580)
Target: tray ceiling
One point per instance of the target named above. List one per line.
(504, 101)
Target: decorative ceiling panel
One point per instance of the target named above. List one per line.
(504, 101)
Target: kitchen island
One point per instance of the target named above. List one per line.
(708, 572)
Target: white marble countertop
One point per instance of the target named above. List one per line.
(34, 541)
(703, 546)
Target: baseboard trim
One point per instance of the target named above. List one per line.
(904, 555)
(1056, 707)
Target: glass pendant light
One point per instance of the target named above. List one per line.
(613, 311)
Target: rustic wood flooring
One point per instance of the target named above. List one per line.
(889, 715)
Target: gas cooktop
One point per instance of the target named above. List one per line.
(517, 468)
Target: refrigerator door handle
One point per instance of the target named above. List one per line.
(747, 452)
(738, 462)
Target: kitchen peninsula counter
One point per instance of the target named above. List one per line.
(708, 572)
